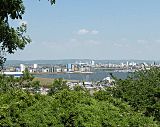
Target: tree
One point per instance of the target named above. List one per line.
(65, 107)
(68, 109)
(12, 38)
(58, 85)
(141, 90)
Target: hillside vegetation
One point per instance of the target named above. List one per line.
(133, 102)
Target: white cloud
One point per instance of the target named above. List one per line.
(118, 45)
(123, 42)
(80, 42)
(94, 32)
(92, 42)
(85, 31)
(142, 41)
(157, 41)
(73, 39)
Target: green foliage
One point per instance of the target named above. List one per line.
(11, 38)
(12, 104)
(25, 82)
(12, 8)
(26, 79)
(72, 108)
(58, 85)
(141, 91)
(52, 1)
(79, 88)
(66, 108)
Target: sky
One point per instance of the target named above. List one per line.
(92, 29)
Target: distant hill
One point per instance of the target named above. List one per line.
(17, 62)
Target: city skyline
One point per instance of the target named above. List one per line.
(92, 30)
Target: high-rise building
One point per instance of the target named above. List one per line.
(35, 66)
(69, 67)
(92, 62)
(22, 67)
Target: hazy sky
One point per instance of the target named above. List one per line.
(94, 29)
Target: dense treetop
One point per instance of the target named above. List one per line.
(64, 107)
(141, 90)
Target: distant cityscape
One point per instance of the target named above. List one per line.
(80, 67)
(87, 68)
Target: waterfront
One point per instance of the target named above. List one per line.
(96, 76)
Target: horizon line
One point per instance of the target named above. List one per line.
(82, 59)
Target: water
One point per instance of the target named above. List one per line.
(96, 76)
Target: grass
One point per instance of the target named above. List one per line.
(44, 81)
(48, 81)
